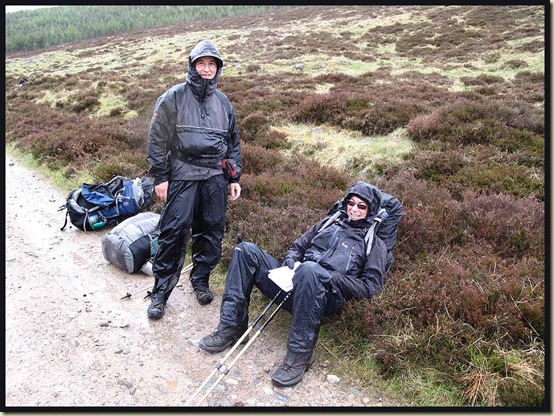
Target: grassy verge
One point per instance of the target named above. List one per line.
(56, 177)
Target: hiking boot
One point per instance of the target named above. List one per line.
(157, 308)
(222, 339)
(204, 295)
(290, 372)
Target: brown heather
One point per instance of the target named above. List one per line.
(466, 291)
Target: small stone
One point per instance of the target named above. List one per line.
(125, 383)
(223, 402)
(221, 387)
(333, 379)
(282, 397)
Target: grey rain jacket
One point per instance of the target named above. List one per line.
(193, 127)
(340, 248)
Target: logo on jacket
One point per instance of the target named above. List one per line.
(344, 245)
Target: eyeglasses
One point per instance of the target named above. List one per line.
(360, 205)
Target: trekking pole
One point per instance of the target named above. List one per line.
(129, 294)
(233, 348)
(225, 370)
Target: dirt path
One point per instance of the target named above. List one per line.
(71, 341)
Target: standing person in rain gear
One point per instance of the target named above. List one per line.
(335, 268)
(194, 152)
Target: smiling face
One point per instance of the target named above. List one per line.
(356, 208)
(206, 66)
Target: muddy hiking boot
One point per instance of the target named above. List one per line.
(157, 308)
(203, 295)
(222, 339)
(292, 369)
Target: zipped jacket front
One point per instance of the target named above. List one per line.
(192, 130)
(340, 248)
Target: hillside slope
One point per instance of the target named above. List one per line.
(440, 106)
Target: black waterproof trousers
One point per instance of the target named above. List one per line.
(313, 294)
(196, 205)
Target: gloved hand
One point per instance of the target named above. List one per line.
(289, 262)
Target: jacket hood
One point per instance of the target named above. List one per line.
(205, 48)
(369, 193)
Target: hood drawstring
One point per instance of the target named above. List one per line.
(203, 99)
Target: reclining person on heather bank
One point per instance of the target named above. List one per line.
(342, 257)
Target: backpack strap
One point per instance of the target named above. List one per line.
(65, 222)
(379, 218)
(85, 219)
(331, 219)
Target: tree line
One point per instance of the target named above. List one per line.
(38, 29)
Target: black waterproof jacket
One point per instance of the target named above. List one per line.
(340, 248)
(193, 127)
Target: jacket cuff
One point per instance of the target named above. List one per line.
(158, 180)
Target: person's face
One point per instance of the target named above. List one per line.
(356, 208)
(206, 66)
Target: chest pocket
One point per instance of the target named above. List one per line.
(201, 141)
(202, 128)
(336, 249)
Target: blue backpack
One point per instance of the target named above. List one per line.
(94, 206)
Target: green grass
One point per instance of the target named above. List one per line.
(109, 102)
(51, 98)
(56, 177)
(348, 151)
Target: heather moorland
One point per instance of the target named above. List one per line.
(440, 106)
